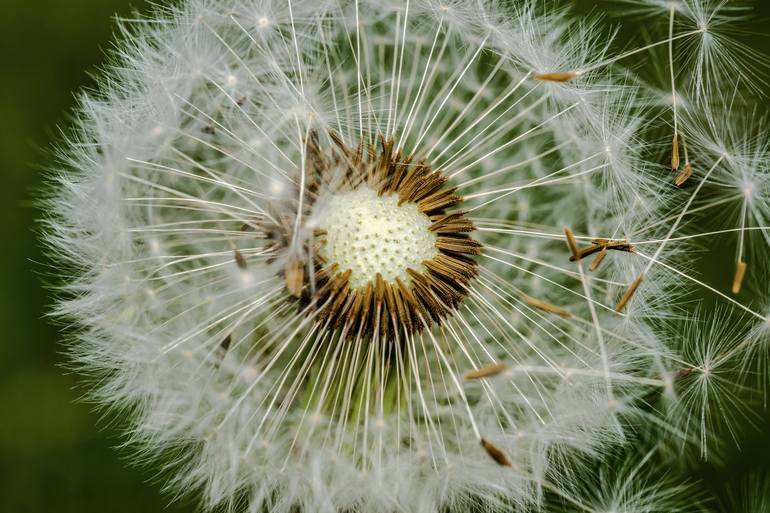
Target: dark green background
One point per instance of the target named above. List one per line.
(53, 458)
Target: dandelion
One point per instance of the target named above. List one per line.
(317, 250)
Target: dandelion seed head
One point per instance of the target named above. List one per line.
(317, 252)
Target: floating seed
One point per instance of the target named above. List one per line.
(493, 369)
(675, 153)
(740, 273)
(684, 175)
(548, 307)
(495, 453)
(599, 245)
(240, 260)
(598, 259)
(626, 297)
(555, 76)
(225, 344)
(572, 243)
(295, 277)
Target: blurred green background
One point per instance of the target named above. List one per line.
(55, 453)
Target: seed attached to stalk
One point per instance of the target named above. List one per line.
(495, 453)
(684, 175)
(294, 276)
(740, 273)
(675, 153)
(628, 294)
(572, 243)
(223, 348)
(599, 245)
(487, 371)
(598, 259)
(558, 76)
(240, 260)
(225, 344)
(548, 307)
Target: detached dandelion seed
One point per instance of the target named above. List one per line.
(740, 273)
(564, 76)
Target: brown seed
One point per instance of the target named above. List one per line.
(548, 307)
(563, 76)
(379, 291)
(598, 259)
(368, 312)
(343, 316)
(295, 277)
(425, 296)
(225, 344)
(339, 300)
(418, 313)
(675, 153)
(493, 369)
(599, 245)
(684, 175)
(624, 299)
(427, 186)
(440, 200)
(572, 243)
(451, 223)
(240, 260)
(622, 246)
(495, 453)
(683, 373)
(458, 244)
(740, 272)
(588, 250)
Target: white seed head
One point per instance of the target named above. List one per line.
(292, 228)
